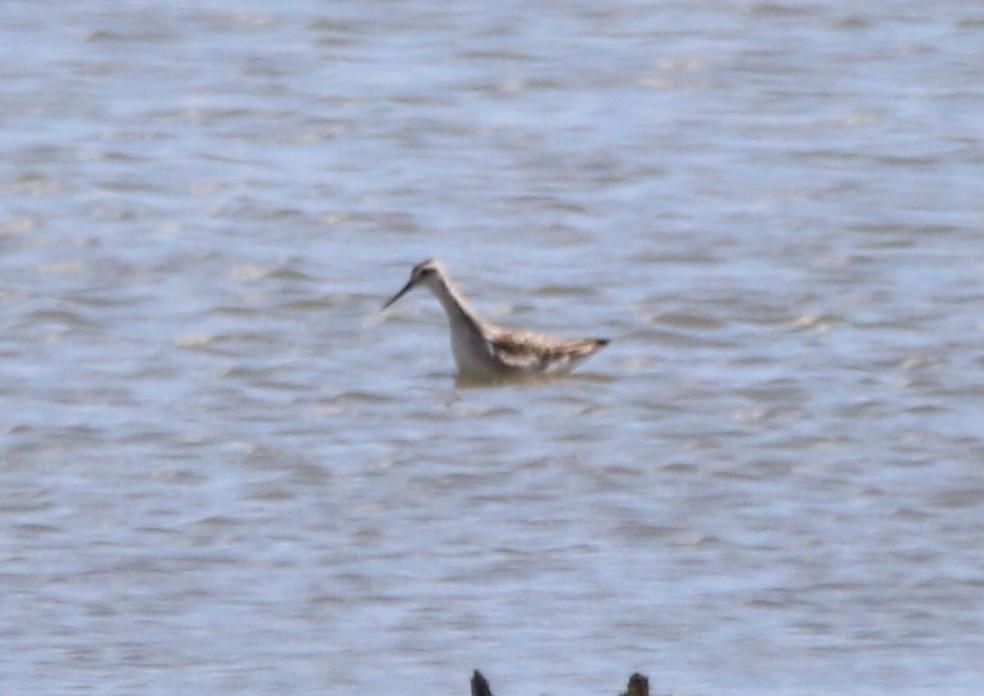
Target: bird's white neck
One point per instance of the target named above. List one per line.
(455, 306)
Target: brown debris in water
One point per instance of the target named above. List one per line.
(638, 685)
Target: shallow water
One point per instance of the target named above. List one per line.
(222, 470)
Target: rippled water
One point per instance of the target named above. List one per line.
(222, 471)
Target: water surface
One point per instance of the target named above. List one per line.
(223, 471)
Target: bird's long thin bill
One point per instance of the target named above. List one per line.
(404, 291)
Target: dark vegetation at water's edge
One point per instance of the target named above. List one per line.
(638, 685)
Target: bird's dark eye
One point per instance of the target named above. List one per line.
(426, 271)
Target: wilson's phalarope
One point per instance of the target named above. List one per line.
(484, 351)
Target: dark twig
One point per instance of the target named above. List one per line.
(638, 686)
(480, 685)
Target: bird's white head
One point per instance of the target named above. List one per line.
(429, 273)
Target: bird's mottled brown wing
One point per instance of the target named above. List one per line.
(527, 350)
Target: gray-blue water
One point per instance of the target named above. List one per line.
(222, 471)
